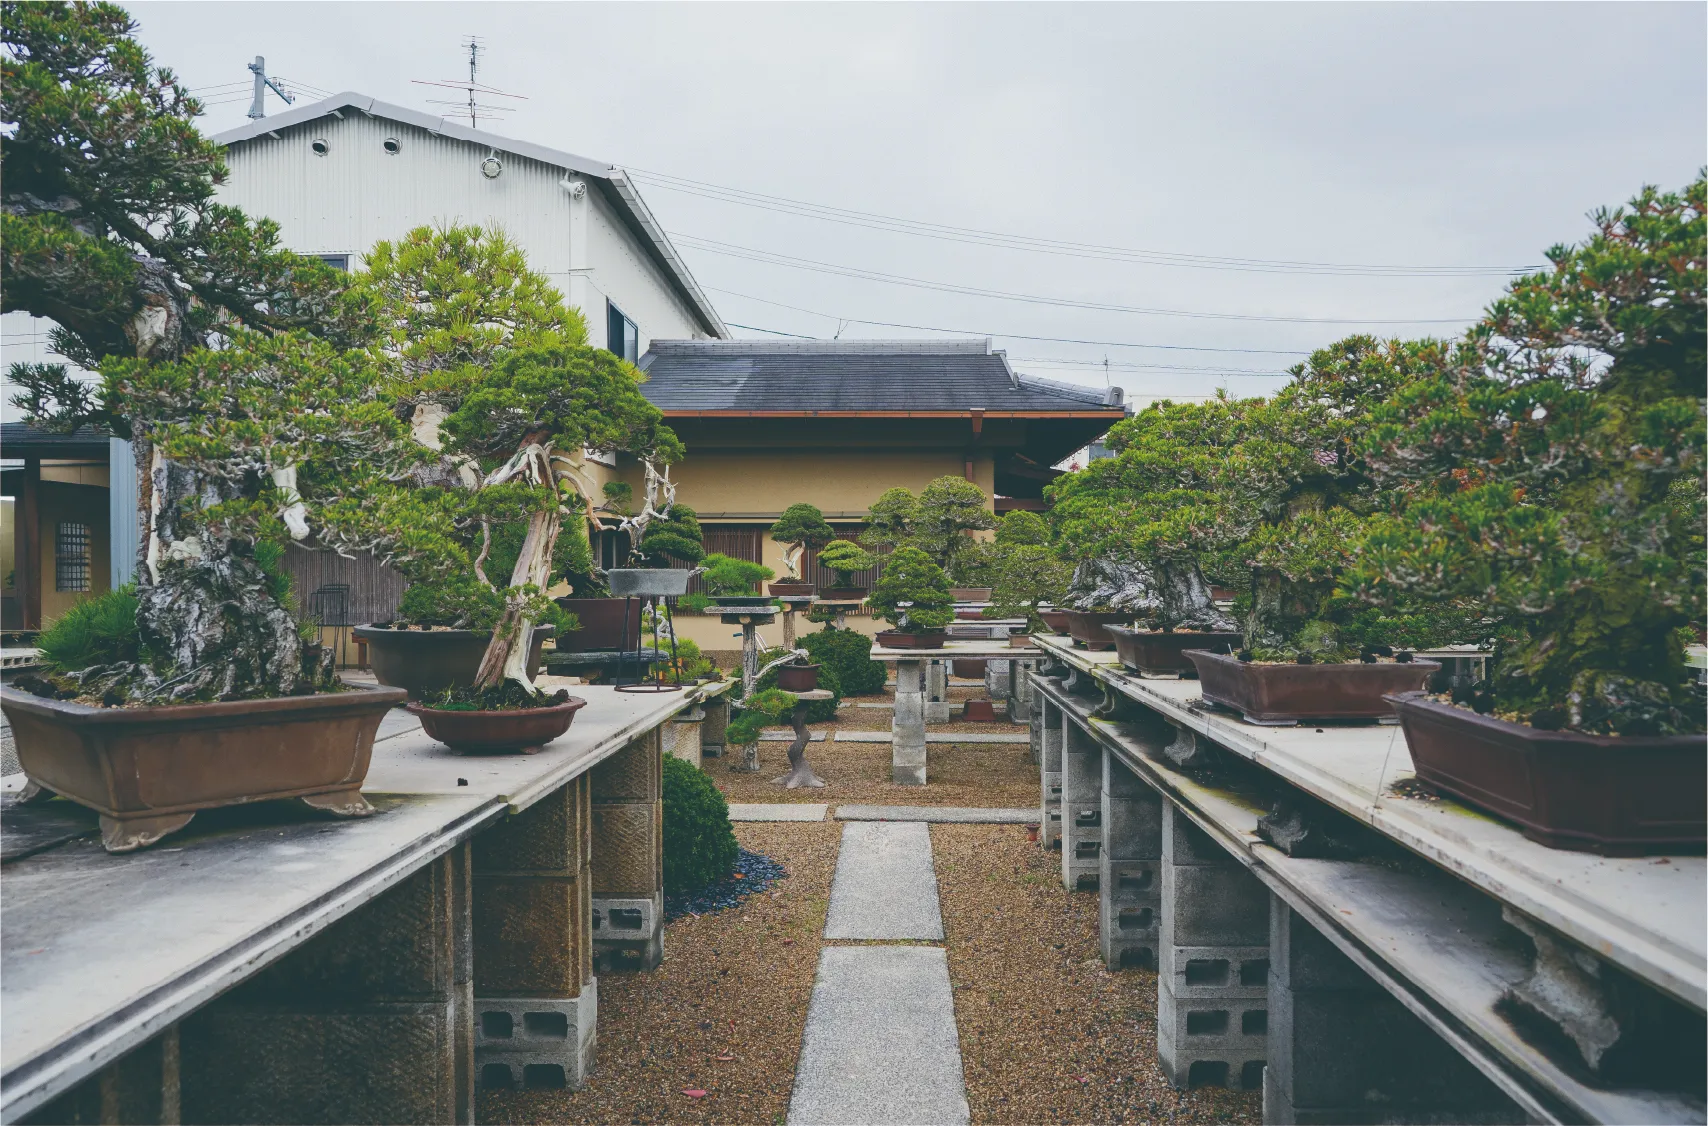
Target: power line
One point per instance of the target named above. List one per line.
(1068, 248)
(751, 254)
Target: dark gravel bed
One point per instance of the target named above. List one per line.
(754, 873)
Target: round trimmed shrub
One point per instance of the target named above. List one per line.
(699, 844)
(849, 653)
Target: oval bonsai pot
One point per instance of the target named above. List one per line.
(602, 622)
(148, 771)
(970, 593)
(842, 594)
(487, 732)
(903, 639)
(791, 588)
(1285, 694)
(1086, 626)
(427, 661)
(797, 678)
(648, 582)
(1056, 620)
(1617, 795)
(1159, 654)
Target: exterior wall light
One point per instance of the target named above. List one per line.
(491, 167)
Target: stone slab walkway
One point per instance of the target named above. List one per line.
(778, 811)
(885, 885)
(881, 1045)
(951, 814)
(936, 737)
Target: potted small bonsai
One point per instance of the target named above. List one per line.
(440, 634)
(844, 557)
(731, 582)
(1154, 503)
(1566, 434)
(913, 596)
(800, 529)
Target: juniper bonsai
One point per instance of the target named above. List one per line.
(949, 508)
(674, 537)
(913, 593)
(802, 528)
(1555, 461)
(726, 576)
(844, 557)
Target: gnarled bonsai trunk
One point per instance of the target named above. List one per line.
(506, 655)
(1183, 600)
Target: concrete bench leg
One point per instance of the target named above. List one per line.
(682, 735)
(1047, 736)
(1343, 1050)
(536, 1000)
(370, 1021)
(1213, 978)
(907, 746)
(140, 1087)
(628, 856)
(937, 692)
(997, 679)
(1020, 694)
(1082, 808)
(712, 730)
(1129, 874)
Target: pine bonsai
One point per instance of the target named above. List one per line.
(849, 653)
(727, 577)
(913, 594)
(845, 557)
(949, 508)
(1555, 465)
(802, 528)
(890, 519)
(675, 537)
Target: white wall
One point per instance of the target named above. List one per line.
(625, 273)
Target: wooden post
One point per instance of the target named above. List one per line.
(27, 546)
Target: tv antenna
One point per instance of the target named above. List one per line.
(477, 110)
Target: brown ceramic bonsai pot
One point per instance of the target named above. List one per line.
(1286, 694)
(791, 588)
(970, 593)
(601, 624)
(487, 732)
(1609, 794)
(1020, 641)
(747, 601)
(1086, 626)
(1056, 620)
(1159, 654)
(842, 594)
(967, 668)
(797, 678)
(902, 639)
(969, 613)
(423, 662)
(979, 711)
(148, 771)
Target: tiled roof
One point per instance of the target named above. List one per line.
(18, 439)
(863, 375)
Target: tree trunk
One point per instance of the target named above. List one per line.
(506, 656)
(1184, 602)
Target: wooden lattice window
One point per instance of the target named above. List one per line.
(71, 558)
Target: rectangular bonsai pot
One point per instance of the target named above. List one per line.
(1286, 694)
(603, 625)
(1609, 794)
(1155, 653)
(970, 593)
(1056, 620)
(1086, 626)
(147, 771)
(790, 588)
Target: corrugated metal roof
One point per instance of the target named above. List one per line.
(621, 188)
(864, 375)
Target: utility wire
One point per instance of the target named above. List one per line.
(977, 236)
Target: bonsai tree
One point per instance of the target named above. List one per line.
(949, 508)
(726, 576)
(844, 557)
(913, 594)
(849, 652)
(1028, 576)
(889, 521)
(110, 229)
(802, 528)
(676, 536)
(1555, 465)
(764, 708)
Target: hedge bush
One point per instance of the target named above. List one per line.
(699, 843)
(849, 653)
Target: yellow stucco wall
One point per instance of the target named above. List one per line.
(84, 504)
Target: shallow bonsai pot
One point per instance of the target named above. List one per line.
(491, 731)
(970, 593)
(1609, 794)
(791, 589)
(148, 771)
(967, 668)
(648, 582)
(797, 678)
(602, 624)
(842, 594)
(1020, 641)
(979, 711)
(423, 662)
(1057, 620)
(742, 599)
(969, 613)
(902, 639)
(1286, 694)
(1086, 626)
(1159, 654)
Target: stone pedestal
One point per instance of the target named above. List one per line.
(1082, 808)
(1020, 706)
(713, 728)
(937, 692)
(1047, 744)
(628, 856)
(682, 735)
(369, 1021)
(998, 679)
(1213, 971)
(907, 750)
(1343, 1050)
(1129, 876)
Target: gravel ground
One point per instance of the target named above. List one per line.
(736, 983)
(1047, 1034)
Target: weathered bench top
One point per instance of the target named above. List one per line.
(966, 648)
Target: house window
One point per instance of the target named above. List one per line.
(336, 261)
(621, 336)
(71, 558)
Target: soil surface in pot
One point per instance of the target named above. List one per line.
(490, 731)
(1608, 794)
(1288, 693)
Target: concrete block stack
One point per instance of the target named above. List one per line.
(1129, 869)
(628, 856)
(1047, 738)
(1082, 808)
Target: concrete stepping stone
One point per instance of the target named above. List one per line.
(881, 1045)
(950, 814)
(781, 811)
(885, 885)
(1017, 739)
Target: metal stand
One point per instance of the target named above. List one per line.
(648, 676)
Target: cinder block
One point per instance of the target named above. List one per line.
(628, 934)
(141, 1086)
(712, 730)
(535, 1043)
(1205, 1042)
(531, 934)
(682, 736)
(1215, 906)
(1081, 808)
(553, 835)
(628, 857)
(633, 774)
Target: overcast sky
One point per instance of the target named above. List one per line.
(1414, 135)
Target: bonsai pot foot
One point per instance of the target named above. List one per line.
(339, 803)
(128, 834)
(34, 793)
(1159, 674)
(1269, 722)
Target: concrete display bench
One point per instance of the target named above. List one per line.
(265, 966)
(922, 695)
(1359, 952)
